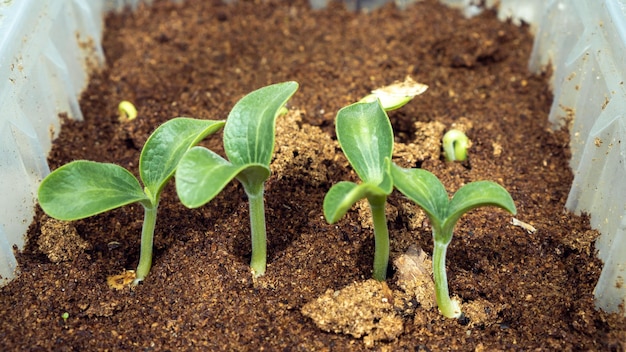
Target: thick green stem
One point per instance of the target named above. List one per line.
(447, 307)
(381, 237)
(257, 229)
(147, 236)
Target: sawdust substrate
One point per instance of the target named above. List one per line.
(197, 59)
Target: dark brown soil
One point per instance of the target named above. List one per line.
(198, 59)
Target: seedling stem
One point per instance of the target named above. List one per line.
(381, 237)
(147, 238)
(448, 307)
(258, 232)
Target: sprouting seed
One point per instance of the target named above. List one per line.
(127, 111)
(455, 145)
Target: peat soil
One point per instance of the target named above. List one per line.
(198, 59)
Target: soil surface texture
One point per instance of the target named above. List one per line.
(521, 289)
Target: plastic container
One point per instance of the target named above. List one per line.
(586, 43)
(48, 47)
(45, 49)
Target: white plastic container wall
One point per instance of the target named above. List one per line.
(586, 43)
(42, 71)
(46, 50)
(48, 46)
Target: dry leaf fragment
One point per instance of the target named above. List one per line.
(414, 270)
(121, 281)
(407, 88)
(528, 227)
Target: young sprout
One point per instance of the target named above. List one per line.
(425, 189)
(455, 144)
(249, 144)
(127, 111)
(396, 95)
(283, 111)
(65, 316)
(84, 188)
(366, 138)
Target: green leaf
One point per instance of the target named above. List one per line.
(343, 195)
(250, 128)
(84, 188)
(365, 135)
(388, 102)
(340, 198)
(201, 175)
(396, 95)
(478, 194)
(167, 145)
(386, 185)
(423, 188)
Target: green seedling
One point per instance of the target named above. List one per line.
(127, 111)
(84, 188)
(366, 138)
(65, 316)
(425, 189)
(249, 144)
(396, 95)
(455, 145)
